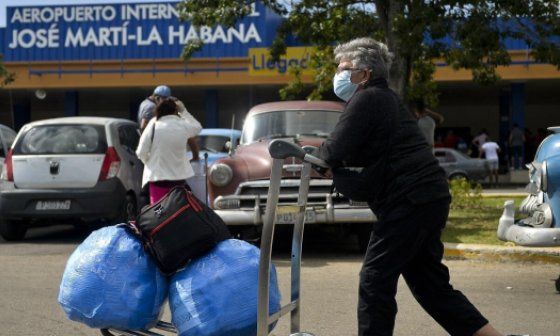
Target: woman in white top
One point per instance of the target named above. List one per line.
(162, 149)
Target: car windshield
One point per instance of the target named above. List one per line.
(62, 139)
(213, 143)
(292, 123)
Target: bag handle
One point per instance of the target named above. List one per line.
(153, 132)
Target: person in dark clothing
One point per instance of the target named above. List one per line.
(404, 187)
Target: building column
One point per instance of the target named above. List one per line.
(71, 106)
(211, 113)
(518, 104)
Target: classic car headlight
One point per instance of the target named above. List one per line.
(220, 174)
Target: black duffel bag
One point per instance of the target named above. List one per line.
(178, 228)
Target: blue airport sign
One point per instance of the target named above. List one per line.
(125, 31)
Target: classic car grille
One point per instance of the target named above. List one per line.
(251, 190)
(317, 196)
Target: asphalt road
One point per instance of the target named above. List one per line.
(517, 298)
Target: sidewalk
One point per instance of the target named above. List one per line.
(509, 191)
(549, 255)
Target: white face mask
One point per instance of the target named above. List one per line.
(343, 86)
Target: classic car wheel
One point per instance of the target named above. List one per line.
(12, 230)
(248, 233)
(558, 284)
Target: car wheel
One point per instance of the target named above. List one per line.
(248, 233)
(558, 284)
(458, 176)
(129, 209)
(12, 230)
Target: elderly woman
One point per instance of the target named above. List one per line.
(404, 186)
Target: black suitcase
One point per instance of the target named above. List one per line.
(179, 228)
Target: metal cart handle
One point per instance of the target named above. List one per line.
(282, 149)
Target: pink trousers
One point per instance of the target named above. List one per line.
(160, 188)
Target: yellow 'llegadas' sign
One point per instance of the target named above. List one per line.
(262, 64)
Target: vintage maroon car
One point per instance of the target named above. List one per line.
(238, 184)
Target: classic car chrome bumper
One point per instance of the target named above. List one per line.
(320, 216)
(517, 232)
(247, 205)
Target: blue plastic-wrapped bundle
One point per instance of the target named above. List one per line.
(110, 281)
(217, 293)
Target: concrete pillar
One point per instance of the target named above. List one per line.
(71, 103)
(211, 113)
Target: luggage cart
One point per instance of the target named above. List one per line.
(279, 150)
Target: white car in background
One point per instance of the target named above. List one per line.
(70, 170)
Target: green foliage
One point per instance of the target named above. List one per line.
(404, 26)
(476, 226)
(6, 77)
(464, 194)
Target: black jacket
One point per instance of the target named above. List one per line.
(377, 131)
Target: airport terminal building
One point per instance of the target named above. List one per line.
(104, 59)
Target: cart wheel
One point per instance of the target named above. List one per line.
(558, 284)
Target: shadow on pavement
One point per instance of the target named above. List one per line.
(319, 246)
(59, 234)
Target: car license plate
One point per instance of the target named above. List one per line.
(53, 205)
(288, 215)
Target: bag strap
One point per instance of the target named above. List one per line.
(153, 132)
(131, 227)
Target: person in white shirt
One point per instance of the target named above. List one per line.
(491, 150)
(162, 149)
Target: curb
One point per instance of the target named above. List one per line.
(509, 194)
(550, 255)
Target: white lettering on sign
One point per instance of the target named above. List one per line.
(209, 35)
(63, 14)
(148, 12)
(40, 38)
(119, 25)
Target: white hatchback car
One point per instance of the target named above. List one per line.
(75, 169)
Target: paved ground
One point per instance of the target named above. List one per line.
(517, 297)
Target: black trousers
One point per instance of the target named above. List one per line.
(407, 240)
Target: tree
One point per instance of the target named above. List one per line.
(466, 34)
(6, 77)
